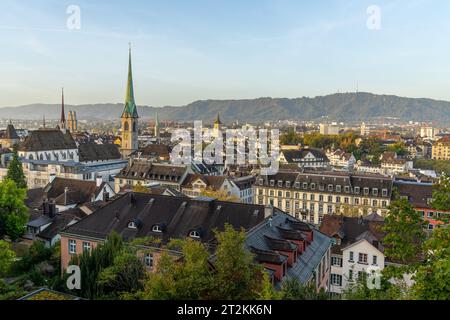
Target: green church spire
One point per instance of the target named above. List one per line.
(130, 110)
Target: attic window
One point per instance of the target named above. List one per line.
(288, 184)
(261, 182)
(194, 234)
(157, 228)
(346, 189)
(313, 186)
(132, 225)
(297, 185)
(280, 183)
(357, 190)
(272, 183)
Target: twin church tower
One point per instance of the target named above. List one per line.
(129, 118)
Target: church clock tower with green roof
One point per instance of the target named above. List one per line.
(129, 118)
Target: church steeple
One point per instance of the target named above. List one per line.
(129, 118)
(217, 123)
(63, 115)
(157, 127)
(130, 110)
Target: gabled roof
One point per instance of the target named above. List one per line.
(78, 191)
(212, 182)
(275, 231)
(46, 140)
(179, 215)
(295, 156)
(98, 152)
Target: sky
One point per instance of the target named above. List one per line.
(221, 49)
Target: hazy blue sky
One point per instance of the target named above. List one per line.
(221, 49)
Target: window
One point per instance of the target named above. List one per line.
(357, 190)
(320, 208)
(272, 193)
(297, 195)
(305, 185)
(330, 187)
(336, 279)
(194, 234)
(312, 197)
(375, 191)
(338, 188)
(280, 193)
(366, 191)
(330, 209)
(305, 196)
(350, 258)
(350, 275)
(72, 247)
(272, 183)
(374, 260)
(338, 199)
(330, 198)
(288, 205)
(346, 189)
(321, 198)
(288, 194)
(280, 183)
(86, 246)
(288, 184)
(346, 200)
(313, 186)
(430, 227)
(148, 259)
(157, 228)
(336, 261)
(374, 203)
(362, 258)
(430, 214)
(311, 207)
(384, 203)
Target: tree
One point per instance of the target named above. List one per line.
(13, 212)
(404, 233)
(237, 277)
(432, 279)
(290, 138)
(387, 291)
(229, 274)
(441, 193)
(94, 262)
(221, 195)
(7, 257)
(293, 289)
(139, 188)
(123, 276)
(15, 172)
(189, 278)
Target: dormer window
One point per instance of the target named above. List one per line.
(297, 185)
(338, 188)
(288, 184)
(375, 191)
(157, 228)
(357, 190)
(384, 192)
(330, 187)
(194, 234)
(366, 191)
(313, 186)
(346, 189)
(261, 182)
(272, 182)
(305, 185)
(280, 183)
(132, 225)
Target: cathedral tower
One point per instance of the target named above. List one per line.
(129, 118)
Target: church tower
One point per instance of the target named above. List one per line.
(157, 127)
(129, 118)
(62, 122)
(217, 123)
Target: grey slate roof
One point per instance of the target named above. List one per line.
(98, 152)
(177, 216)
(47, 139)
(307, 262)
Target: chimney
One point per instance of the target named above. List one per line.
(45, 207)
(66, 190)
(52, 209)
(99, 181)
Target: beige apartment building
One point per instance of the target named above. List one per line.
(311, 195)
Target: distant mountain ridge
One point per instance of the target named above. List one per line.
(339, 106)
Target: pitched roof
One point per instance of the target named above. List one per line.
(78, 191)
(46, 140)
(98, 152)
(177, 216)
(295, 156)
(145, 170)
(213, 182)
(60, 221)
(351, 230)
(154, 150)
(417, 193)
(270, 235)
